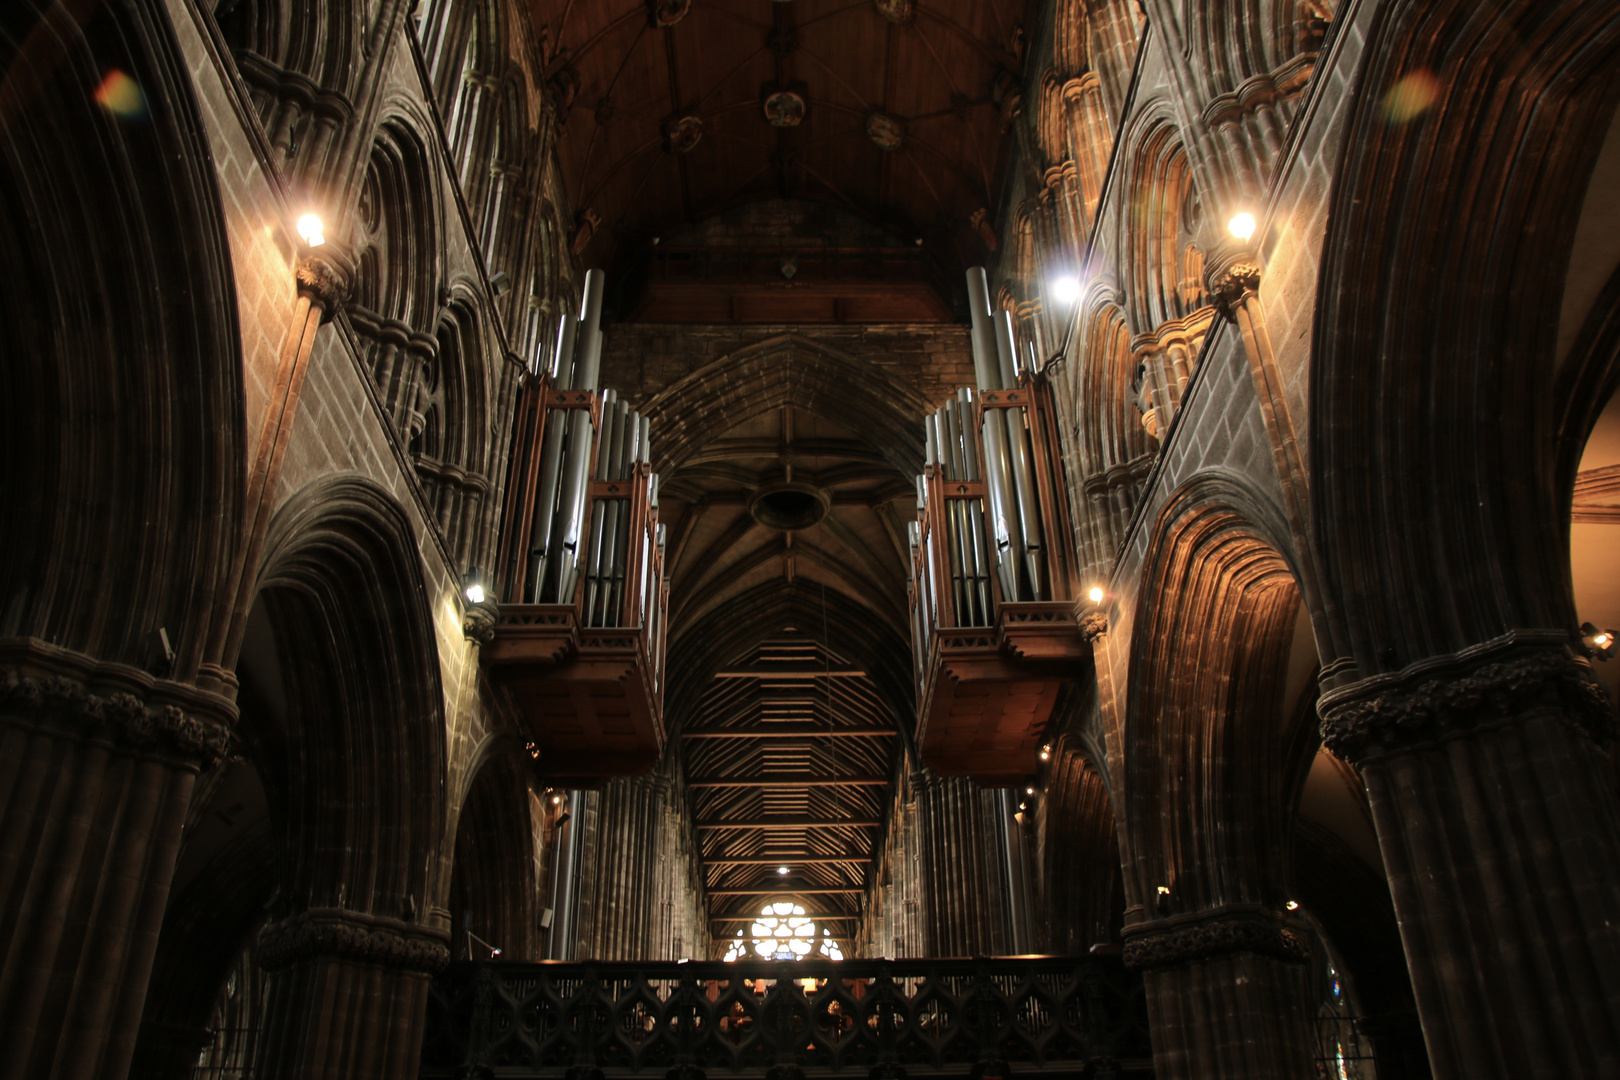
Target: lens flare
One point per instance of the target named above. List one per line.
(1411, 97)
(121, 95)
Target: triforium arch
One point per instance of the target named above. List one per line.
(121, 406)
(450, 425)
(1081, 891)
(1442, 552)
(351, 749)
(1213, 756)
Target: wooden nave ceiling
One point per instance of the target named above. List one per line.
(805, 161)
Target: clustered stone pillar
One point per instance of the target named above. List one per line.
(1228, 993)
(1486, 771)
(961, 828)
(97, 763)
(623, 879)
(345, 994)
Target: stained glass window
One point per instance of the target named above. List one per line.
(783, 932)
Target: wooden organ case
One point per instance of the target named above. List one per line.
(994, 582)
(579, 640)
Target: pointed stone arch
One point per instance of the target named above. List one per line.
(788, 369)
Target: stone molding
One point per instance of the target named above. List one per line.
(1478, 688)
(48, 687)
(1229, 929)
(338, 934)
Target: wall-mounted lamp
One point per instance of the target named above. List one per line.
(1046, 752)
(312, 230)
(1095, 594)
(1066, 290)
(1293, 905)
(472, 586)
(1164, 901)
(1241, 225)
(1599, 644)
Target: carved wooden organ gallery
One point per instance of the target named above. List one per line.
(579, 642)
(993, 583)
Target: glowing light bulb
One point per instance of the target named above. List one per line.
(1601, 640)
(1029, 791)
(1164, 890)
(1293, 905)
(556, 800)
(781, 869)
(311, 229)
(1066, 290)
(1241, 226)
(475, 593)
(1046, 752)
(1096, 594)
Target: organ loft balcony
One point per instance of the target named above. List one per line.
(994, 584)
(579, 640)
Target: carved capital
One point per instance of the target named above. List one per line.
(1482, 687)
(1093, 625)
(336, 934)
(324, 276)
(1229, 285)
(478, 621)
(1178, 940)
(79, 698)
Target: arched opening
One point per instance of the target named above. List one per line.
(494, 881)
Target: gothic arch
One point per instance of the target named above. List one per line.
(1213, 755)
(398, 228)
(451, 423)
(1432, 327)
(1081, 892)
(494, 876)
(121, 397)
(363, 724)
(1160, 238)
(1111, 448)
(318, 42)
(778, 371)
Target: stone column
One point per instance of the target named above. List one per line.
(1228, 994)
(346, 994)
(1486, 771)
(97, 763)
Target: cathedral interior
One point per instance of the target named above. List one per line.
(808, 538)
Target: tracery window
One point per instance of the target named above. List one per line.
(783, 932)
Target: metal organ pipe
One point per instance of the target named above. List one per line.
(1029, 514)
(1003, 509)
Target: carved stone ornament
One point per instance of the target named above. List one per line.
(683, 135)
(584, 231)
(1228, 286)
(785, 108)
(666, 13)
(1178, 940)
(896, 11)
(885, 131)
(1486, 686)
(1093, 625)
(120, 705)
(332, 933)
(478, 622)
(325, 276)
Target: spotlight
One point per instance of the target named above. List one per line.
(1046, 752)
(1096, 594)
(472, 586)
(1599, 644)
(311, 229)
(1066, 290)
(781, 870)
(1241, 226)
(1293, 905)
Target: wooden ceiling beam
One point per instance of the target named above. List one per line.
(776, 781)
(784, 894)
(780, 674)
(791, 731)
(793, 823)
(789, 860)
